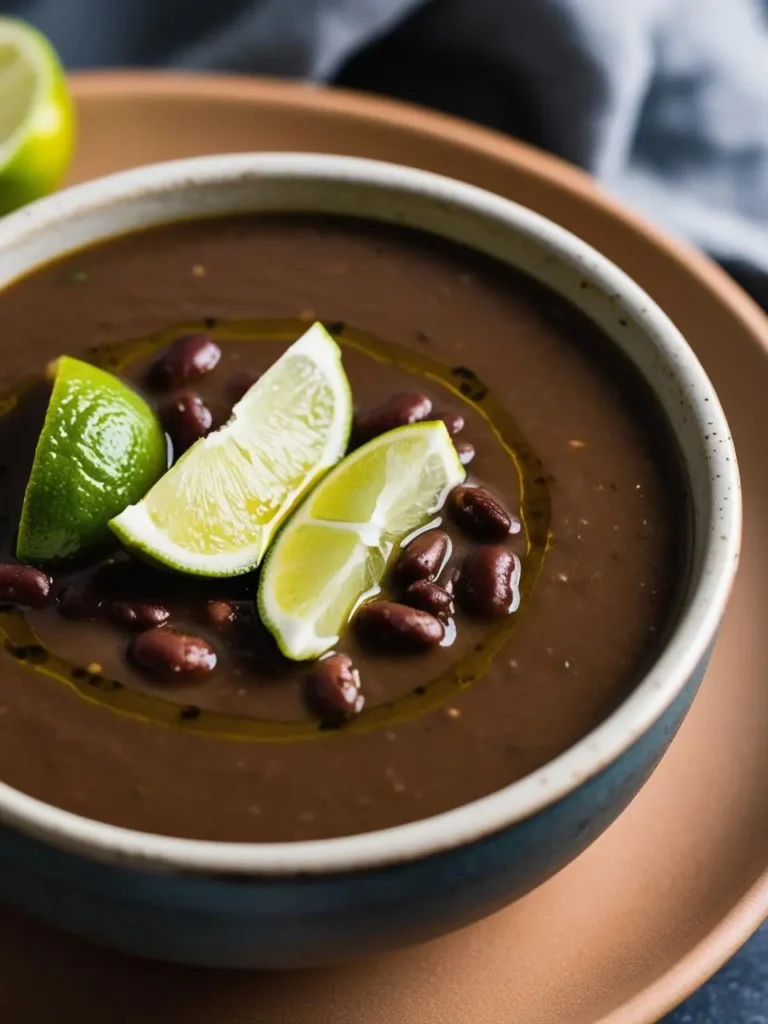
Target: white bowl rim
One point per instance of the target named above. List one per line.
(470, 822)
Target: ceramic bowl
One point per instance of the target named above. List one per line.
(308, 903)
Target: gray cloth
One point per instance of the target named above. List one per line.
(665, 101)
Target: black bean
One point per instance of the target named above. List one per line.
(188, 358)
(220, 614)
(23, 585)
(486, 587)
(333, 688)
(137, 614)
(397, 411)
(187, 419)
(169, 654)
(430, 598)
(397, 627)
(479, 514)
(424, 557)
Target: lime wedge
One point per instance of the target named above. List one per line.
(215, 512)
(334, 550)
(36, 122)
(101, 447)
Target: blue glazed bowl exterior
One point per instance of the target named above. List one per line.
(299, 922)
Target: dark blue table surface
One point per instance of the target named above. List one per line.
(738, 994)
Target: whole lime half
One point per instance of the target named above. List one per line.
(101, 448)
(36, 120)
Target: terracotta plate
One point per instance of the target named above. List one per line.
(673, 888)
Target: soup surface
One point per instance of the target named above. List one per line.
(564, 435)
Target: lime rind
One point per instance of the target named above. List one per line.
(36, 116)
(101, 447)
(333, 552)
(216, 510)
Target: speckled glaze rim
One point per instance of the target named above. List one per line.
(715, 555)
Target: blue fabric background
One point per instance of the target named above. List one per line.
(665, 101)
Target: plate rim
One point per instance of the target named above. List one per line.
(724, 939)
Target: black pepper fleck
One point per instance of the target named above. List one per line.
(335, 326)
(103, 683)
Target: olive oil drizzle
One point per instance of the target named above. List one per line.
(21, 642)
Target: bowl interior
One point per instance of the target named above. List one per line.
(514, 235)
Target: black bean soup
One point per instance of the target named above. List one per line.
(501, 636)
